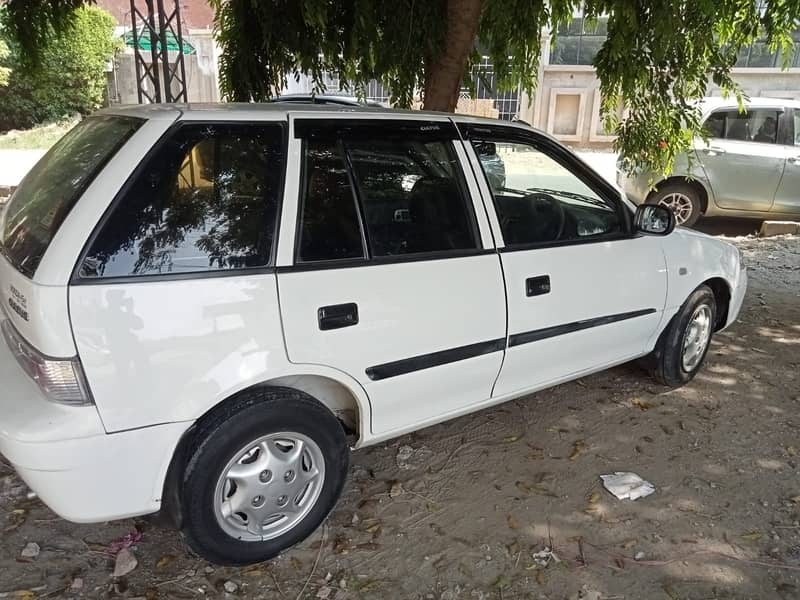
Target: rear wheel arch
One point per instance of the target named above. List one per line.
(683, 180)
(337, 397)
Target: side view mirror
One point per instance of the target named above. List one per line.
(652, 219)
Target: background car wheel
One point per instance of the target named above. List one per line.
(682, 199)
(263, 473)
(682, 347)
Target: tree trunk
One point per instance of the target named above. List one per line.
(444, 75)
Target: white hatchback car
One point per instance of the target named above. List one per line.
(206, 307)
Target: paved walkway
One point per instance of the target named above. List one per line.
(14, 164)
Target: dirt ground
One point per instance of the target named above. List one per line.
(459, 510)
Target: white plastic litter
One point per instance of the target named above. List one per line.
(627, 485)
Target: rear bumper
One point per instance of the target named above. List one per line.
(64, 454)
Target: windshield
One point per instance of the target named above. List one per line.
(50, 190)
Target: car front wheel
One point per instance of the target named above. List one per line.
(263, 474)
(682, 347)
(682, 199)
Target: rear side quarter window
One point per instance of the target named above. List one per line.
(55, 184)
(205, 200)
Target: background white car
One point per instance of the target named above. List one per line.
(749, 168)
(205, 308)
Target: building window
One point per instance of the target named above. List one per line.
(579, 41)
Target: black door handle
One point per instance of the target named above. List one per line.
(536, 286)
(337, 316)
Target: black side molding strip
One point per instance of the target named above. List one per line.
(548, 332)
(434, 359)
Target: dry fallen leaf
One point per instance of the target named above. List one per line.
(577, 448)
(629, 543)
(594, 498)
(373, 528)
(791, 451)
(540, 577)
(752, 536)
(513, 548)
(510, 439)
(795, 499)
(165, 561)
(512, 522)
(641, 404)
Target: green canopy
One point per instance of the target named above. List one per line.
(144, 42)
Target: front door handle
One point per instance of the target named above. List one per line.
(536, 286)
(337, 316)
(714, 150)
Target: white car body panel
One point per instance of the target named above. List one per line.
(159, 354)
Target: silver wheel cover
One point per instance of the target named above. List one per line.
(696, 337)
(269, 486)
(680, 204)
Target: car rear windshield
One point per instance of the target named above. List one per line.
(50, 190)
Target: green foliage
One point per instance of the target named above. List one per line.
(658, 57)
(32, 22)
(68, 77)
(5, 71)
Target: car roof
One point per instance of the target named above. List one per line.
(278, 110)
(716, 102)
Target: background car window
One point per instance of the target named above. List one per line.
(757, 125)
(329, 224)
(797, 127)
(206, 200)
(541, 201)
(413, 196)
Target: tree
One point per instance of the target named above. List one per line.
(5, 71)
(68, 75)
(658, 56)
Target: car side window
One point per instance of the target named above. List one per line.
(372, 197)
(797, 127)
(329, 223)
(756, 125)
(413, 196)
(205, 200)
(538, 200)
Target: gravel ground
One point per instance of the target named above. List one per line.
(469, 508)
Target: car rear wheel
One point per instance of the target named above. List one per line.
(683, 345)
(263, 474)
(682, 199)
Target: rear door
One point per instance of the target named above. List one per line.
(787, 198)
(583, 293)
(387, 271)
(743, 160)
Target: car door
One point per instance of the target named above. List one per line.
(787, 198)
(583, 293)
(743, 160)
(388, 272)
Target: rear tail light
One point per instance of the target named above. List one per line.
(60, 379)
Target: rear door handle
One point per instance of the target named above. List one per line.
(337, 316)
(536, 286)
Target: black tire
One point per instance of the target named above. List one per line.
(666, 361)
(225, 432)
(685, 190)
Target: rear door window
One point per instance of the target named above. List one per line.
(50, 190)
(205, 200)
(375, 196)
(755, 125)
